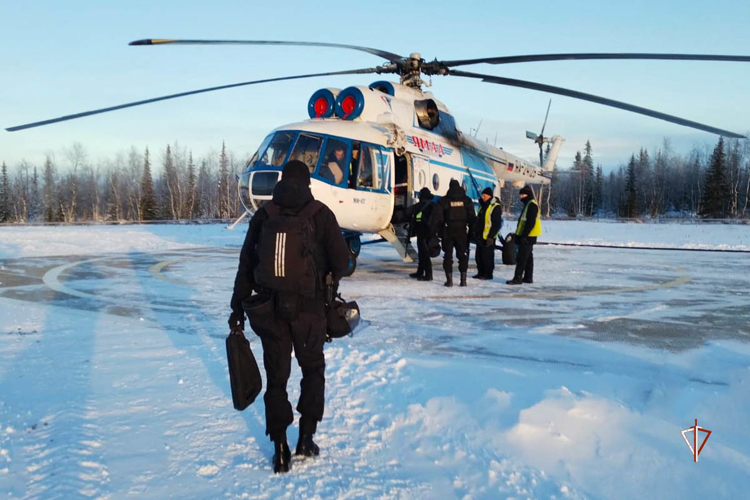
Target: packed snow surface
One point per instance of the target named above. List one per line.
(113, 378)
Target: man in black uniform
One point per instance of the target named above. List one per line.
(529, 227)
(294, 319)
(488, 224)
(451, 217)
(419, 215)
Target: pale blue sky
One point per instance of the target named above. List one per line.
(58, 58)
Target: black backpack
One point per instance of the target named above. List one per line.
(286, 251)
(456, 210)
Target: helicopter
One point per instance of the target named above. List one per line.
(370, 149)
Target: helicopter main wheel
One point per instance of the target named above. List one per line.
(355, 245)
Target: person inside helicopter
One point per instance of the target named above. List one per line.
(353, 165)
(333, 165)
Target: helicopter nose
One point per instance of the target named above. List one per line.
(256, 187)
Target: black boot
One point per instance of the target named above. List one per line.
(477, 276)
(514, 281)
(427, 276)
(528, 280)
(463, 279)
(448, 278)
(282, 457)
(417, 275)
(306, 446)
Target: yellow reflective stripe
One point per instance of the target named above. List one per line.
(537, 229)
(419, 217)
(488, 220)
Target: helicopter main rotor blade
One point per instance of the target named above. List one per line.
(596, 56)
(545, 119)
(377, 52)
(183, 94)
(597, 99)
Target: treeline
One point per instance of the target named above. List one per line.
(711, 183)
(133, 186)
(172, 185)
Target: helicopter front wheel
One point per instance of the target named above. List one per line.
(352, 265)
(355, 244)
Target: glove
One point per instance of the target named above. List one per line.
(236, 322)
(490, 242)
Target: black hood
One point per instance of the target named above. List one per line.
(528, 191)
(456, 192)
(292, 194)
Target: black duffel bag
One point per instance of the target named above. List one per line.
(342, 318)
(509, 250)
(433, 245)
(244, 375)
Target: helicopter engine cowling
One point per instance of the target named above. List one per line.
(365, 103)
(322, 103)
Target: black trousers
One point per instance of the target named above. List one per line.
(461, 244)
(525, 261)
(425, 263)
(307, 334)
(485, 258)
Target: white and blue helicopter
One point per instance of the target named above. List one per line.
(370, 149)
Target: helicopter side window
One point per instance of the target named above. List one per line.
(334, 164)
(307, 150)
(382, 160)
(277, 149)
(366, 174)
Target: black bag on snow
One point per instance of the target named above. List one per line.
(509, 250)
(244, 375)
(433, 245)
(286, 261)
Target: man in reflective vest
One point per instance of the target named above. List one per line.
(488, 224)
(529, 227)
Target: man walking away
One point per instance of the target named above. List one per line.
(488, 224)
(420, 216)
(292, 243)
(529, 227)
(451, 217)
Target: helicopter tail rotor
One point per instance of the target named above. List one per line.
(540, 139)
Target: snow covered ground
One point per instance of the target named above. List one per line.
(113, 379)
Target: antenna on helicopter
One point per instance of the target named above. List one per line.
(476, 130)
(540, 139)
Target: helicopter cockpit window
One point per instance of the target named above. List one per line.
(277, 149)
(261, 149)
(307, 150)
(333, 167)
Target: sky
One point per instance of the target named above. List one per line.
(56, 61)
